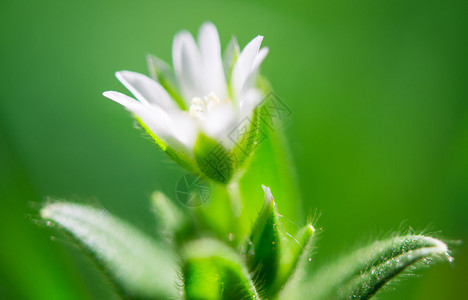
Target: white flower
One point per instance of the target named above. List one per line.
(208, 95)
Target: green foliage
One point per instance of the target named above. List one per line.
(264, 247)
(270, 164)
(268, 266)
(141, 266)
(219, 254)
(212, 270)
(250, 140)
(293, 259)
(171, 220)
(361, 274)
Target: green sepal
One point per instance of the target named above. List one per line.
(138, 265)
(296, 253)
(163, 73)
(363, 273)
(179, 157)
(264, 247)
(250, 140)
(212, 271)
(213, 160)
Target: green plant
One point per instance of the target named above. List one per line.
(220, 121)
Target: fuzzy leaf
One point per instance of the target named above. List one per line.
(264, 249)
(213, 271)
(170, 218)
(139, 265)
(362, 274)
(213, 160)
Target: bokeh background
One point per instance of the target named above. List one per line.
(379, 128)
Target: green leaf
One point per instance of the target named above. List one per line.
(139, 265)
(271, 165)
(264, 249)
(212, 270)
(213, 159)
(163, 73)
(170, 218)
(361, 274)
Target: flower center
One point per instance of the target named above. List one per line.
(200, 107)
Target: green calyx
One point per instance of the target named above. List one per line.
(213, 160)
(210, 158)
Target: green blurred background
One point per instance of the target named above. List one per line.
(379, 128)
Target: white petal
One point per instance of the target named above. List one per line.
(153, 117)
(146, 89)
(244, 64)
(251, 98)
(259, 59)
(124, 100)
(251, 80)
(187, 65)
(185, 128)
(230, 56)
(210, 51)
(219, 123)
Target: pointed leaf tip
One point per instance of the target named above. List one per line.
(268, 195)
(264, 249)
(293, 261)
(304, 235)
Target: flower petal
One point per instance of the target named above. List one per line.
(230, 57)
(219, 123)
(185, 128)
(251, 80)
(187, 65)
(146, 89)
(210, 51)
(259, 59)
(157, 120)
(124, 100)
(244, 64)
(251, 98)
